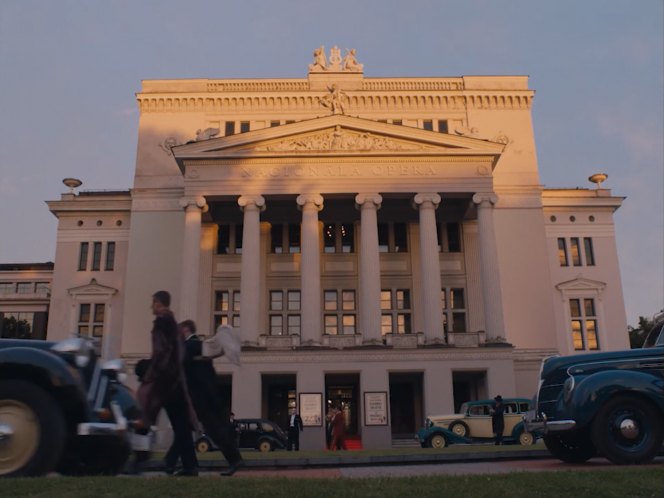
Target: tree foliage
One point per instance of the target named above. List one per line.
(637, 335)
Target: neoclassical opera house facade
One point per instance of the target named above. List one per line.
(383, 244)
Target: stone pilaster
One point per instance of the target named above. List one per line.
(427, 204)
(191, 257)
(310, 287)
(491, 290)
(369, 268)
(250, 311)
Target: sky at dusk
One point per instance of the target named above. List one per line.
(69, 71)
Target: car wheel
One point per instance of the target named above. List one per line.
(437, 441)
(526, 438)
(570, 448)
(32, 430)
(628, 430)
(203, 445)
(459, 428)
(97, 456)
(264, 446)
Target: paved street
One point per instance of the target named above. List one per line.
(457, 468)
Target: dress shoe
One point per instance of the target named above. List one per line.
(233, 468)
(186, 473)
(169, 470)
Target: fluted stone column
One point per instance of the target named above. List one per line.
(369, 268)
(250, 311)
(310, 204)
(191, 257)
(430, 266)
(491, 291)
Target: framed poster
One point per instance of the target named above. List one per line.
(311, 409)
(375, 408)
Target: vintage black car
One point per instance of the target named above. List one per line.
(611, 404)
(253, 433)
(63, 410)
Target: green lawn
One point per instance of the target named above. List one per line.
(623, 482)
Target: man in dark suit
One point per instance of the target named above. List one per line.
(201, 382)
(163, 384)
(294, 428)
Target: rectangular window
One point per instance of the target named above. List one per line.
(277, 238)
(7, 288)
(427, 124)
(276, 325)
(383, 237)
(227, 308)
(238, 238)
(343, 321)
(576, 251)
(397, 302)
(96, 256)
(453, 237)
(294, 300)
(584, 324)
(110, 256)
(588, 250)
(229, 128)
(442, 126)
(453, 304)
(400, 237)
(25, 288)
(398, 122)
(40, 288)
(331, 325)
(274, 123)
(330, 300)
(276, 301)
(562, 252)
(91, 319)
(293, 324)
(293, 238)
(83, 256)
(244, 126)
(338, 237)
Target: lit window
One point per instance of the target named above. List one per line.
(91, 319)
(227, 308)
(344, 311)
(453, 304)
(277, 304)
(395, 306)
(576, 251)
(584, 324)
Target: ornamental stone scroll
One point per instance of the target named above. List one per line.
(485, 199)
(422, 198)
(245, 201)
(198, 202)
(315, 200)
(374, 198)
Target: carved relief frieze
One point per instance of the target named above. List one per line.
(341, 140)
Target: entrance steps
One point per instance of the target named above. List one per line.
(403, 442)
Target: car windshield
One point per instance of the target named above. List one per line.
(655, 337)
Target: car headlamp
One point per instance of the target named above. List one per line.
(78, 347)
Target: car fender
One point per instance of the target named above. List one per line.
(594, 390)
(424, 434)
(51, 368)
(518, 429)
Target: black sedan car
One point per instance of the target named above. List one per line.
(253, 433)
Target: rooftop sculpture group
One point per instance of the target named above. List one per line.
(335, 63)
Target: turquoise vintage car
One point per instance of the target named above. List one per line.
(610, 404)
(473, 424)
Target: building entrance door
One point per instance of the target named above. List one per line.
(279, 396)
(405, 403)
(341, 391)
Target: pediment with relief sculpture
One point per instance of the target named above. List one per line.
(338, 135)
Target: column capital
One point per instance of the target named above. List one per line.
(374, 198)
(194, 202)
(315, 200)
(484, 198)
(424, 197)
(249, 200)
